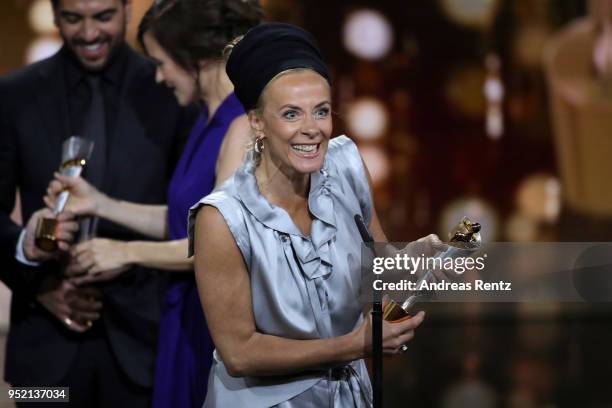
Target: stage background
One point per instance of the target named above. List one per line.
(449, 103)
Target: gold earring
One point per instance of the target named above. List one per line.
(259, 144)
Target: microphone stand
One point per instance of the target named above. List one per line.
(377, 312)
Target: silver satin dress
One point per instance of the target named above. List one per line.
(303, 287)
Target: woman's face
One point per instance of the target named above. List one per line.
(182, 82)
(296, 121)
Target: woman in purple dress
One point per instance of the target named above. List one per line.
(186, 39)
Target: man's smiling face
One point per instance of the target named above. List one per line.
(93, 29)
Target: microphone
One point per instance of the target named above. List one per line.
(363, 230)
(377, 355)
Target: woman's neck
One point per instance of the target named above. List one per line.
(282, 186)
(215, 86)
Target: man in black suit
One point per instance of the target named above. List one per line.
(99, 340)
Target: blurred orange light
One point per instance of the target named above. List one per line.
(40, 17)
(539, 197)
(471, 13)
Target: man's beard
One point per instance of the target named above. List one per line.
(114, 43)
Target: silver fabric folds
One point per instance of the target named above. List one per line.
(304, 287)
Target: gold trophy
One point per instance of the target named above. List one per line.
(75, 153)
(463, 240)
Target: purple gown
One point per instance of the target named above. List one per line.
(184, 353)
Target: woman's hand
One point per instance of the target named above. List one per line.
(431, 245)
(423, 251)
(97, 260)
(84, 199)
(395, 335)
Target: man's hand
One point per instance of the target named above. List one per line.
(77, 308)
(64, 232)
(97, 260)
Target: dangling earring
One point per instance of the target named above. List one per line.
(259, 144)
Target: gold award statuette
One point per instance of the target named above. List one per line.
(463, 240)
(75, 153)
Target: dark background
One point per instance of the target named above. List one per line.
(442, 165)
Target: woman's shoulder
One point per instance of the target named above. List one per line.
(238, 133)
(226, 192)
(341, 145)
(225, 199)
(347, 171)
(343, 156)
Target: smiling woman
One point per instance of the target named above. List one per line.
(275, 249)
(93, 30)
(182, 82)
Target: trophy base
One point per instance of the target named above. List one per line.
(45, 234)
(393, 312)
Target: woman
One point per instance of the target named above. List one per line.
(185, 38)
(276, 255)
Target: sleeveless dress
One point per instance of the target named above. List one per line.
(184, 353)
(304, 287)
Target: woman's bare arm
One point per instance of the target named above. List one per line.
(233, 149)
(168, 255)
(146, 219)
(85, 199)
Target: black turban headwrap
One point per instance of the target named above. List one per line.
(264, 52)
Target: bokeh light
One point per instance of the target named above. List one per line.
(539, 197)
(521, 228)
(471, 13)
(377, 162)
(368, 34)
(40, 17)
(367, 119)
(464, 90)
(529, 44)
(42, 48)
